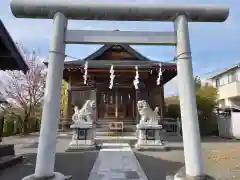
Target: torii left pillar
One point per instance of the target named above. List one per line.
(50, 118)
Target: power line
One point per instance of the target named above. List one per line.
(220, 69)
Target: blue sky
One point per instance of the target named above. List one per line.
(214, 45)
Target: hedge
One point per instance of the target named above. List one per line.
(12, 127)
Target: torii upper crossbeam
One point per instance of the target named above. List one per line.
(118, 11)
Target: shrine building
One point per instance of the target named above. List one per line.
(10, 57)
(118, 103)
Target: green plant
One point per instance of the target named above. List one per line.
(173, 111)
(206, 99)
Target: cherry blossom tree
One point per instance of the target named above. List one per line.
(25, 91)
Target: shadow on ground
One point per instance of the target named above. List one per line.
(33, 145)
(217, 139)
(157, 168)
(79, 165)
(204, 139)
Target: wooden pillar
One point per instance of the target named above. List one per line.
(151, 98)
(98, 96)
(69, 106)
(137, 99)
(134, 103)
(116, 103)
(156, 99)
(162, 102)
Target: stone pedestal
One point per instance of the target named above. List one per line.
(83, 137)
(181, 175)
(148, 137)
(55, 176)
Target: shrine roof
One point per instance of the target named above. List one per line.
(129, 58)
(124, 59)
(132, 58)
(10, 58)
(118, 63)
(124, 47)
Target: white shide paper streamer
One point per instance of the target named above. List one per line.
(112, 76)
(85, 72)
(136, 80)
(159, 74)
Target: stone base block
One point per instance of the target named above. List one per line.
(56, 176)
(149, 145)
(8, 161)
(77, 145)
(181, 175)
(7, 156)
(6, 150)
(204, 177)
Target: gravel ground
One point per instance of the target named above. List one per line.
(221, 159)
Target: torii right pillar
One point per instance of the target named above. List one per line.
(190, 125)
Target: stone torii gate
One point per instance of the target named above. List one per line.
(62, 10)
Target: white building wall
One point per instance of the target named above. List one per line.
(228, 88)
(224, 78)
(221, 103)
(238, 74)
(228, 127)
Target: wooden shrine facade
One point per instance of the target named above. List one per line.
(118, 103)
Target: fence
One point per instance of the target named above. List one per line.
(172, 126)
(229, 126)
(64, 124)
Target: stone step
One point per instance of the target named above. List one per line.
(114, 145)
(116, 138)
(102, 140)
(6, 150)
(117, 134)
(103, 133)
(10, 160)
(106, 124)
(113, 120)
(126, 127)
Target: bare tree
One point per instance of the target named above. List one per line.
(25, 91)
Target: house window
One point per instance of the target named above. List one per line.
(217, 82)
(232, 76)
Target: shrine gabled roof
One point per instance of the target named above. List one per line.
(126, 47)
(125, 64)
(104, 48)
(10, 57)
(93, 62)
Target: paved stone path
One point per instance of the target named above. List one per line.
(116, 161)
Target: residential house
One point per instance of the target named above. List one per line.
(227, 83)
